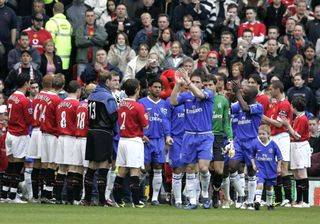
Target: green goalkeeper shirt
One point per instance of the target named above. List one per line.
(221, 116)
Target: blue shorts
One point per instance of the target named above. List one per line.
(28, 160)
(243, 150)
(115, 149)
(154, 151)
(175, 152)
(196, 147)
(261, 178)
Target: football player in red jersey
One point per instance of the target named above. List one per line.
(279, 109)
(300, 153)
(68, 157)
(130, 156)
(17, 139)
(82, 131)
(49, 141)
(34, 149)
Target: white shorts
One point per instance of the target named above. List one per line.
(49, 144)
(17, 145)
(67, 151)
(34, 149)
(81, 145)
(130, 153)
(283, 142)
(300, 155)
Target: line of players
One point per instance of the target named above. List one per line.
(189, 123)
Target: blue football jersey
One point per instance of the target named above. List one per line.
(248, 122)
(176, 118)
(198, 112)
(157, 117)
(266, 157)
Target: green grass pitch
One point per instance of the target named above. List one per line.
(60, 214)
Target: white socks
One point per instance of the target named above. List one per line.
(28, 182)
(191, 187)
(110, 182)
(258, 195)
(205, 181)
(156, 184)
(252, 185)
(269, 197)
(176, 187)
(225, 186)
(235, 181)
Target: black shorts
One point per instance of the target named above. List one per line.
(99, 147)
(218, 145)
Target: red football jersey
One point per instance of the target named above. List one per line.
(67, 116)
(49, 102)
(37, 38)
(263, 99)
(36, 105)
(132, 118)
(258, 28)
(20, 114)
(82, 119)
(278, 110)
(301, 126)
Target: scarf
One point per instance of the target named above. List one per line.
(30, 72)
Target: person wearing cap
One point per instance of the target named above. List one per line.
(24, 66)
(37, 34)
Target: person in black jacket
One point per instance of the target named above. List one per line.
(92, 72)
(50, 62)
(121, 23)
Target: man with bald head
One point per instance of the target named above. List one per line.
(248, 114)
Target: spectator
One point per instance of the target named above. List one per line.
(148, 34)
(302, 14)
(50, 62)
(201, 61)
(313, 26)
(37, 7)
(225, 48)
(280, 63)
(163, 47)
(23, 67)
(14, 55)
(258, 28)
(297, 43)
(274, 15)
(187, 7)
(109, 14)
(175, 60)
(150, 71)
(183, 35)
(92, 71)
(297, 63)
(212, 62)
(311, 68)
(314, 135)
(290, 24)
(149, 7)
(121, 23)
(211, 7)
(137, 63)
(89, 38)
(37, 34)
(121, 53)
(229, 23)
(192, 46)
(300, 89)
(237, 72)
(163, 22)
